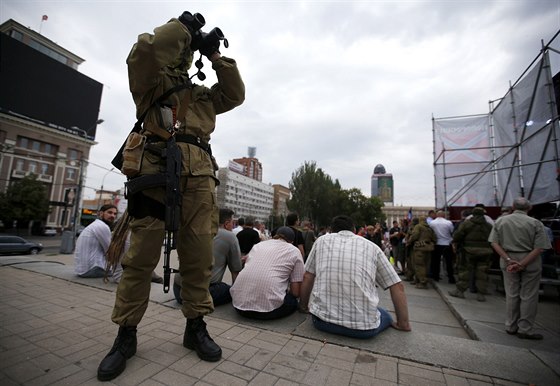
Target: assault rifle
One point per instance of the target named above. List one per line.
(172, 156)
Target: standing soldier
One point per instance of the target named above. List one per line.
(409, 270)
(475, 252)
(423, 240)
(158, 67)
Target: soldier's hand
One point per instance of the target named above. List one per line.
(208, 51)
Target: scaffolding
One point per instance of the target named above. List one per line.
(511, 151)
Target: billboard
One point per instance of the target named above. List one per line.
(39, 87)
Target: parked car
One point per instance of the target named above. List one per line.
(49, 232)
(18, 245)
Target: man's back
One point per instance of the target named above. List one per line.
(443, 229)
(247, 238)
(519, 232)
(226, 254)
(91, 247)
(262, 284)
(347, 268)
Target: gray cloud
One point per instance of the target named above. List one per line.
(346, 84)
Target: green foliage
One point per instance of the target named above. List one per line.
(316, 197)
(25, 200)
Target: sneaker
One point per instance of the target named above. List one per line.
(522, 335)
(457, 294)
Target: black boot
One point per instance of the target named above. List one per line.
(196, 338)
(124, 348)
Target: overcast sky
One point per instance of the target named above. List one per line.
(347, 84)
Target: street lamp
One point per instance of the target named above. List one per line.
(84, 133)
(101, 193)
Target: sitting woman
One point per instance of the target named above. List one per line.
(269, 284)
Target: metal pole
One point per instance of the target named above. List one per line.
(78, 201)
(101, 193)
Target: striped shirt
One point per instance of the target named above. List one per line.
(261, 285)
(347, 267)
(91, 247)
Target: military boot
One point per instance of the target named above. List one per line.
(114, 362)
(196, 338)
(457, 294)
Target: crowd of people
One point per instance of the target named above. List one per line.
(336, 274)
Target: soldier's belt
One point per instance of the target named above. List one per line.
(186, 138)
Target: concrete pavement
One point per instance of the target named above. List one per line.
(55, 328)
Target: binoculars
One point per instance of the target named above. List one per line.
(201, 40)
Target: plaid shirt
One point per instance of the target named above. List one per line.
(261, 285)
(347, 267)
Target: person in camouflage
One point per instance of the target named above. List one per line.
(474, 251)
(158, 63)
(422, 236)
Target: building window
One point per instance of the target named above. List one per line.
(17, 35)
(23, 142)
(19, 165)
(48, 148)
(72, 154)
(44, 168)
(33, 167)
(36, 145)
(70, 174)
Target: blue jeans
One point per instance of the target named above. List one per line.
(219, 292)
(287, 308)
(385, 322)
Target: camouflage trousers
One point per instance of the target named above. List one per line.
(469, 264)
(421, 265)
(198, 226)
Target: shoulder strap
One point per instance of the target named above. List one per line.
(161, 98)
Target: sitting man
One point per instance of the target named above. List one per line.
(340, 281)
(226, 253)
(269, 285)
(92, 245)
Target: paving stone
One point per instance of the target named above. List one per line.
(387, 370)
(264, 379)
(260, 359)
(339, 377)
(237, 370)
(293, 362)
(55, 375)
(429, 374)
(219, 378)
(170, 377)
(285, 372)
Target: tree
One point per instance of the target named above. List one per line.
(313, 192)
(315, 196)
(25, 200)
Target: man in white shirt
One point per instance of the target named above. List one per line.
(269, 284)
(443, 229)
(240, 226)
(89, 257)
(339, 285)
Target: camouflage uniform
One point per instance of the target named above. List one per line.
(471, 239)
(423, 233)
(157, 63)
(409, 271)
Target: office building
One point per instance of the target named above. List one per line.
(48, 119)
